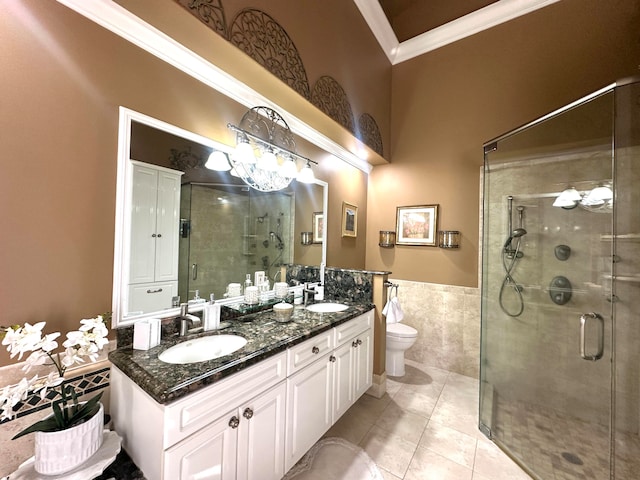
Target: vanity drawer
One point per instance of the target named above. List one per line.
(305, 353)
(350, 329)
(200, 408)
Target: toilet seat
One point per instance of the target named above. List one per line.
(401, 330)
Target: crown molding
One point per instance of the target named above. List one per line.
(123, 23)
(475, 22)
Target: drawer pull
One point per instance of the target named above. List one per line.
(315, 350)
(248, 413)
(234, 422)
(157, 290)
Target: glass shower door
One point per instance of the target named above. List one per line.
(547, 293)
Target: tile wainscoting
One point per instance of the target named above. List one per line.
(447, 318)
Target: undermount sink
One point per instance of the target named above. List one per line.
(202, 349)
(327, 307)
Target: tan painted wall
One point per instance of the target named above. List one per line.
(447, 103)
(63, 79)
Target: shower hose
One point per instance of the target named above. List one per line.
(509, 281)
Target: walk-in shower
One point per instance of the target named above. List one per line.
(560, 347)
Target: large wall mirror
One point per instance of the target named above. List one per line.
(183, 230)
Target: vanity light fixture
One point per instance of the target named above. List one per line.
(596, 199)
(264, 157)
(568, 198)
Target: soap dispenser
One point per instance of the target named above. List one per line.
(211, 315)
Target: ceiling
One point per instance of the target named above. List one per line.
(408, 28)
(410, 18)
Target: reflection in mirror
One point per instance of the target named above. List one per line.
(184, 231)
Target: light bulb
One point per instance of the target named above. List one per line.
(306, 175)
(289, 169)
(268, 161)
(244, 153)
(218, 161)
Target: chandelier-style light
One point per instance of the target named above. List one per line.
(265, 156)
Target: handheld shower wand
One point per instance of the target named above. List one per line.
(517, 233)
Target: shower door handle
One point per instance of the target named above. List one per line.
(584, 319)
(194, 271)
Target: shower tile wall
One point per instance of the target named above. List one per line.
(447, 318)
(227, 240)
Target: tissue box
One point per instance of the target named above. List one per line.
(146, 334)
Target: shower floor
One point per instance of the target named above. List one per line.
(557, 447)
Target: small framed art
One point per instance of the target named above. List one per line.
(318, 227)
(417, 225)
(349, 220)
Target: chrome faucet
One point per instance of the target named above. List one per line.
(309, 289)
(187, 320)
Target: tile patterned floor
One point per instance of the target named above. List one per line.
(425, 428)
(560, 447)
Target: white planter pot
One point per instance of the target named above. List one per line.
(60, 452)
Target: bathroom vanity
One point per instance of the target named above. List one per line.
(248, 415)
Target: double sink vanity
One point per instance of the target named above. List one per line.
(251, 412)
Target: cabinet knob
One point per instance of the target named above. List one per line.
(332, 358)
(159, 235)
(153, 235)
(234, 422)
(359, 342)
(354, 344)
(315, 350)
(248, 413)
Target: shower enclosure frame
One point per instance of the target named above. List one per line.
(595, 330)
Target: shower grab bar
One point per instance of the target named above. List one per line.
(584, 318)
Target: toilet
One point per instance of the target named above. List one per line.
(399, 338)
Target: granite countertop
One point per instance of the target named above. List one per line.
(166, 382)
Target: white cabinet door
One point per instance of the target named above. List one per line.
(343, 379)
(261, 436)
(363, 371)
(143, 224)
(167, 227)
(309, 408)
(155, 224)
(209, 454)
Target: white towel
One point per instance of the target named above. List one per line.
(393, 311)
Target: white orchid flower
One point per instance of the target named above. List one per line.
(85, 342)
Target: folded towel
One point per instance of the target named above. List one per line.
(393, 311)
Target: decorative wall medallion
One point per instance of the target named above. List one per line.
(210, 12)
(370, 133)
(264, 40)
(331, 98)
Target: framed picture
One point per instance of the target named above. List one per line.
(417, 225)
(349, 220)
(318, 227)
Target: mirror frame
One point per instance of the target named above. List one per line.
(124, 182)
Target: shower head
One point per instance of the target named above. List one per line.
(517, 233)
